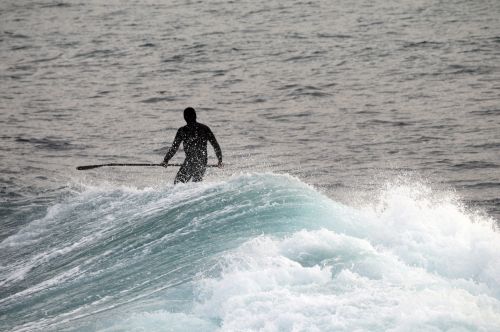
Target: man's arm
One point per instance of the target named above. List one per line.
(215, 144)
(175, 146)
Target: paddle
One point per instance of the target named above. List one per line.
(82, 168)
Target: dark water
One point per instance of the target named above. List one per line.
(346, 95)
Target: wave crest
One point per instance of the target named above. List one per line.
(258, 251)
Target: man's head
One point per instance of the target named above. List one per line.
(190, 115)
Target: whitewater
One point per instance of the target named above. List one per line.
(256, 251)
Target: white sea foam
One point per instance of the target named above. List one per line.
(411, 262)
(320, 280)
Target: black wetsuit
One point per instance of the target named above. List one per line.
(195, 136)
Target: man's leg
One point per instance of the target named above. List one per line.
(198, 173)
(183, 175)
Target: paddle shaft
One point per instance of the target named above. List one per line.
(81, 168)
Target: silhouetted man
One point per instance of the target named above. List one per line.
(195, 136)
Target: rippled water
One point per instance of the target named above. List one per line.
(346, 95)
(336, 91)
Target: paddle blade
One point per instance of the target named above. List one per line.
(82, 168)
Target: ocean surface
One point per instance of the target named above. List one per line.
(361, 188)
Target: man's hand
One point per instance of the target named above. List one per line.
(220, 164)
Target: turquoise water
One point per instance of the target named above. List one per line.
(253, 252)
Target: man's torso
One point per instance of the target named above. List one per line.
(195, 138)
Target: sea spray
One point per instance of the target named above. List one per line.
(254, 252)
